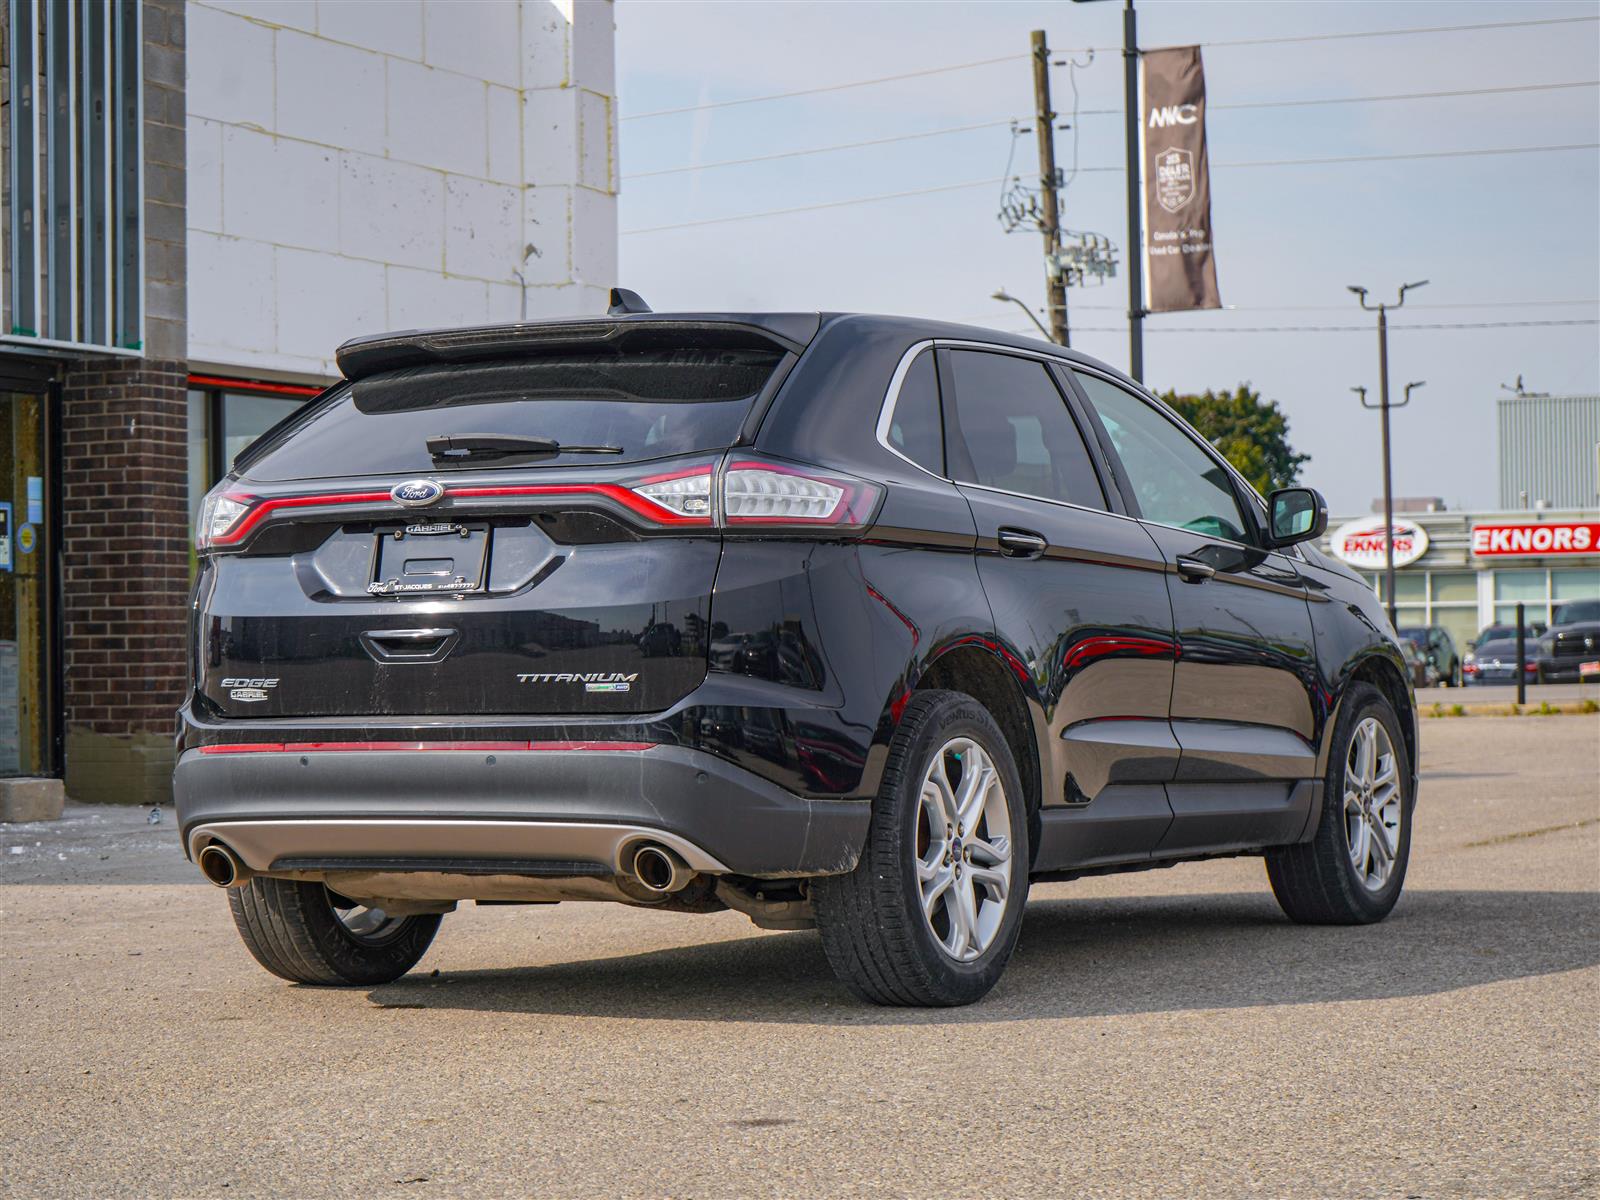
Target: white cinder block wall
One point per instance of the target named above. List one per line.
(361, 165)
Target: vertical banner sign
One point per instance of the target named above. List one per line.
(1179, 265)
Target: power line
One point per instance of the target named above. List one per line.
(1419, 154)
(759, 158)
(1157, 328)
(1444, 95)
(1008, 58)
(1242, 308)
(832, 87)
(1104, 112)
(1372, 33)
(800, 208)
(977, 183)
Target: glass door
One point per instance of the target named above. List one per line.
(27, 588)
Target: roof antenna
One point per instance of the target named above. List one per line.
(624, 302)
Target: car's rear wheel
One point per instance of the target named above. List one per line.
(932, 911)
(305, 933)
(1352, 870)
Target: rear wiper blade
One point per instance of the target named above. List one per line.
(459, 447)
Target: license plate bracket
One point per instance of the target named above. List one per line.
(429, 558)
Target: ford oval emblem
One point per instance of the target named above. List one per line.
(416, 493)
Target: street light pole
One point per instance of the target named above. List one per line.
(1383, 406)
(1135, 256)
(1004, 295)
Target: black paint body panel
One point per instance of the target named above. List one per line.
(1164, 719)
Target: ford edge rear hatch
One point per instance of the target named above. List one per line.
(499, 525)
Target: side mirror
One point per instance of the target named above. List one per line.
(1297, 515)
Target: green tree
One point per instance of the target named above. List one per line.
(1251, 433)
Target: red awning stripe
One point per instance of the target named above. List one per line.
(254, 385)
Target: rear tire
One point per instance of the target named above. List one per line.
(939, 830)
(295, 930)
(1334, 879)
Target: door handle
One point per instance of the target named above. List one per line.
(1194, 570)
(1021, 543)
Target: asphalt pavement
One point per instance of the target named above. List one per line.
(1165, 1033)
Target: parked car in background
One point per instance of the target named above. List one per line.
(1531, 630)
(1437, 647)
(1423, 673)
(1496, 662)
(1572, 640)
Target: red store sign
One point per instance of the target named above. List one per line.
(1545, 537)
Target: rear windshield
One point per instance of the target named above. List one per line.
(634, 404)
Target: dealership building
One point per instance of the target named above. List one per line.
(200, 202)
(1465, 570)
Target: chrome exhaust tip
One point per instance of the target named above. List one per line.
(222, 866)
(659, 870)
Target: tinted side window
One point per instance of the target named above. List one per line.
(1016, 432)
(915, 428)
(1175, 482)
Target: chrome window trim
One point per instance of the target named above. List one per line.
(1099, 512)
(892, 398)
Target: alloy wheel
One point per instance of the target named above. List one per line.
(963, 846)
(1372, 804)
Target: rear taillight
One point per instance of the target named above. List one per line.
(1530, 668)
(221, 517)
(758, 492)
(687, 493)
(1469, 668)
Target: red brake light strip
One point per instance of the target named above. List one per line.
(635, 503)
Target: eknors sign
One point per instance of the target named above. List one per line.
(1179, 265)
(1544, 537)
(1360, 543)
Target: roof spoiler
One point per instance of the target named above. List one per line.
(364, 356)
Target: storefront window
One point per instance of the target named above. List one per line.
(1410, 587)
(27, 616)
(246, 416)
(199, 450)
(1461, 622)
(1530, 587)
(1454, 586)
(1575, 585)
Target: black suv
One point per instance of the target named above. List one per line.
(1572, 640)
(849, 621)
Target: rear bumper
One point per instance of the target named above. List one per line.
(554, 808)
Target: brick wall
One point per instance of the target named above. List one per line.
(125, 576)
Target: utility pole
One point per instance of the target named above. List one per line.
(1135, 256)
(1045, 123)
(1384, 406)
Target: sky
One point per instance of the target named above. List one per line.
(1498, 237)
